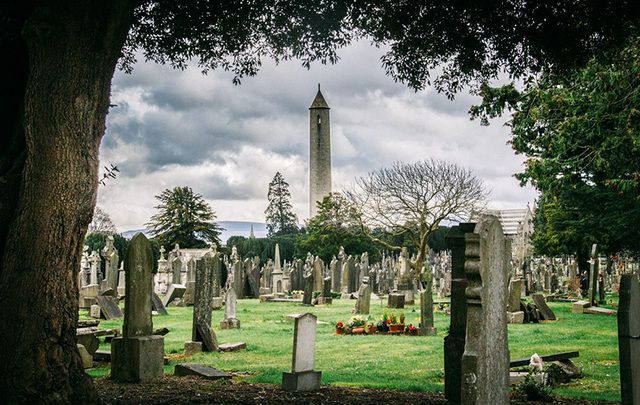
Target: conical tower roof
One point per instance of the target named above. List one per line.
(319, 101)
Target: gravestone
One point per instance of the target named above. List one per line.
(230, 321)
(110, 256)
(157, 305)
(325, 295)
(363, 302)
(593, 271)
(629, 339)
(302, 376)
(201, 326)
(200, 370)
(396, 301)
(544, 309)
(307, 299)
(176, 271)
(137, 355)
(426, 313)
(515, 293)
(109, 307)
(485, 361)
(318, 274)
(175, 291)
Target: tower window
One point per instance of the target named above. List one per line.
(319, 120)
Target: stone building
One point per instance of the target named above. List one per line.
(517, 225)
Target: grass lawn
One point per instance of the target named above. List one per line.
(393, 362)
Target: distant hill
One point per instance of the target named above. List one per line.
(231, 228)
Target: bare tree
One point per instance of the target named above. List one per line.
(101, 223)
(412, 199)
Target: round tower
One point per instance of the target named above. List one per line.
(319, 152)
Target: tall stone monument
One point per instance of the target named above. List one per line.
(485, 362)
(319, 152)
(138, 355)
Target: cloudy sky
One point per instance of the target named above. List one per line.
(175, 128)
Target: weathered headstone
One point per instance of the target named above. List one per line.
(593, 272)
(485, 362)
(325, 295)
(307, 299)
(426, 313)
(109, 307)
(157, 305)
(175, 291)
(137, 355)
(230, 321)
(395, 300)
(201, 326)
(363, 302)
(544, 309)
(302, 376)
(176, 270)
(515, 293)
(629, 339)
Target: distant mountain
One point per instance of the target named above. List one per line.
(231, 228)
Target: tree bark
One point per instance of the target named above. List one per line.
(70, 53)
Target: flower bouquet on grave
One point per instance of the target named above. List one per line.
(411, 330)
(395, 325)
(356, 325)
(340, 328)
(371, 328)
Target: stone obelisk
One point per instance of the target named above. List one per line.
(319, 151)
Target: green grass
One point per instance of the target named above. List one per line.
(392, 362)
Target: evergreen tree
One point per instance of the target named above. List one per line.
(279, 214)
(184, 217)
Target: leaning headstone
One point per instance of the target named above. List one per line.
(629, 339)
(109, 307)
(201, 325)
(455, 340)
(158, 305)
(395, 300)
(544, 309)
(175, 291)
(137, 355)
(302, 376)
(485, 362)
(230, 321)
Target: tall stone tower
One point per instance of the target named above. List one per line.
(319, 151)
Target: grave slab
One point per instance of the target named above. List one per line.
(200, 370)
(232, 347)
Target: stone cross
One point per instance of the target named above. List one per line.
(485, 362)
(94, 259)
(302, 376)
(137, 355)
(629, 339)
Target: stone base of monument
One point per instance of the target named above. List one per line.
(216, 303)
(428, 331)
(232, 323)
(578, 307)
(265, 297)
(232, 347)
(325, 300)
(265, 291)
(137, 358)
(301, 381)
(515, 317)
(191, 348)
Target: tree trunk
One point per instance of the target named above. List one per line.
(70, 52)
